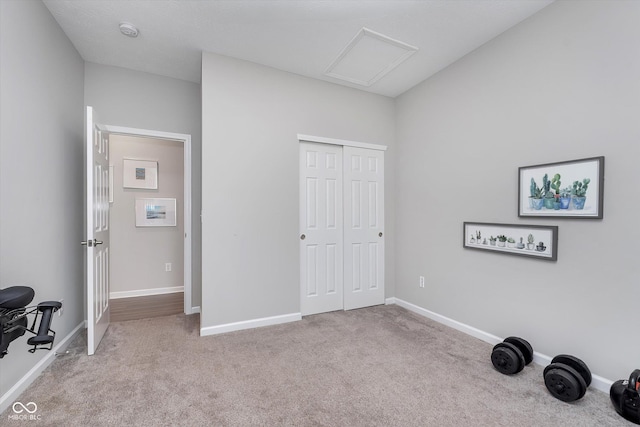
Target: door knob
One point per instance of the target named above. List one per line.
(380, 234)
(91, 243)
(302, 237)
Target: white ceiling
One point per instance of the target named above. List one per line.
(299, 36)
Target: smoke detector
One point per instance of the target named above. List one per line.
(129, 30)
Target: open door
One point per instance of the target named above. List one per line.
(97, 221)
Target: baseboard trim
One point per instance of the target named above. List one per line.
(24, 382)
(195, 310)
(597, 382)
(250, 324)
(469, 330)
(146, 292)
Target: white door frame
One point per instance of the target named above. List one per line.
(186, 140)
(343, 142)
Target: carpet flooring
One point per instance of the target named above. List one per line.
(380, 366)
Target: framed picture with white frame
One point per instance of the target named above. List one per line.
(155, 212)
(141, 174)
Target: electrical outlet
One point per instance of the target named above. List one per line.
(167, 266)
(422, 281)
(61, 309)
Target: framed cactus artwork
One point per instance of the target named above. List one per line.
(571, 189)
(535, 241)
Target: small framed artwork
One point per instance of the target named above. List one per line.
(571, 189)
(141, 174)
(535, 241)
(155, 212)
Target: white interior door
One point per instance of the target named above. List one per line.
(97, 243)
(321, 228)
(363, 227)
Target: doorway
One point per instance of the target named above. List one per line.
(163, 263)
(147, 260)
(341, 225)
(98, 186)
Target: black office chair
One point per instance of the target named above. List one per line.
(14, 321)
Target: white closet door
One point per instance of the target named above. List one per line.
(321, 228)
(363, 228)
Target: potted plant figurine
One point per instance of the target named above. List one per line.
(511, 242)
(502, 240)
(565, 198)
(478, 236)
(492, 241)
(535, 198)
(579, 192)
(541, 247)
(530, 241)
(520, 245)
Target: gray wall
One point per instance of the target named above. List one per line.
(146, 101)
(251, 115)
(41, 170)
(139, 254)
(562, 85)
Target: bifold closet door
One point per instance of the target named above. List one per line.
(321, 228)
(363, 227)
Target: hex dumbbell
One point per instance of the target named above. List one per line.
(512, 355)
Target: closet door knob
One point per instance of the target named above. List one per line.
(380, 234)
(302, 237)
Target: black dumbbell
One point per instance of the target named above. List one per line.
(567, 378)
(510, 356)
(625, 397)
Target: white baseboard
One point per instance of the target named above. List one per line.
(250, 324)
(195, 310)
(469, 330)
(146, 292)
(597, 382)
(24, 382)
(600, 383)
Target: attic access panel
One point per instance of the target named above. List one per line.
(368, 57)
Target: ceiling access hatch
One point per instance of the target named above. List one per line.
(368, 57)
